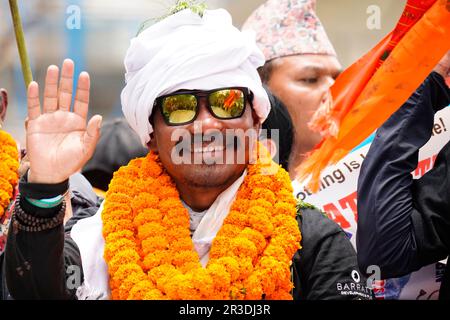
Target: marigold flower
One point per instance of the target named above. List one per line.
(6, 188)
(169, 204)
(253, 287)
(178, 232)
(176, 221)
(169, 285)
(152, 244)
(202, 281)
(166, 180)
(117, 215)
(122, 273)
(259, 220)
(150, 169)
(237, 218)
(221, 247)
(111, 226)
(154, 294)
(285, 196)
(140, 290)
(280, 295)
(262, 193)
(151, 229)
(182, 244)
(243, 247)
(148, 215)
(283, 208)
(221, 278)
(272, 268)
(143, 201)
(168, 191)
(259, 181)
(164, 270)
(183, 257)
(115, 294)
(290, 243)
(121, 258)
(11, 163)
(189, 266)
(261, 203)
(118, 198)
(113, 206)
(112, 248)
(145, 185)
(11, 151)
(156, 258)
(119, 235)
(8, 176)
(230, 264)
(277, 252)
(177, 212)
(240, 204)
(186, 289)
(290, 226)
(230, 231)
(120, 185)
(245, 268)
(129, 283)
(255, 237)
(237, 292)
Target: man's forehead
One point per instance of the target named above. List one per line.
(310, 62)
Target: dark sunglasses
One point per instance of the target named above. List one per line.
(182, 107)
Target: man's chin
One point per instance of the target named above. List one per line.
(211, 175)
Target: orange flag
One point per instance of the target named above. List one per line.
(373, 88)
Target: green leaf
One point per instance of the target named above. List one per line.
(302, 205)
(196, 6)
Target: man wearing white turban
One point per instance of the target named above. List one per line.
(218, 228)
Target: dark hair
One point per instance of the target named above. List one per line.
(118, 145)
(280, 119)
(265, 71)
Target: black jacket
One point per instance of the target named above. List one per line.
(325, 268)
(404, 224)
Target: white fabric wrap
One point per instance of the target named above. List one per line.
(186, 51)
(87, 234)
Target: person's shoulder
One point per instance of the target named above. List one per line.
(314, 223)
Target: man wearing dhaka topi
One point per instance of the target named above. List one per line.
(200, 217)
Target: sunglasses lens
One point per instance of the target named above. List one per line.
(227, 103)
(178, 109)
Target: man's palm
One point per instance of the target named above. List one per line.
(58, 141)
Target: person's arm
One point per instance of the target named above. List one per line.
(326, 267)
(39, 255)
(59, 143)
(402, 223)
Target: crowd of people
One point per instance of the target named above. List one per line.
(181, 199)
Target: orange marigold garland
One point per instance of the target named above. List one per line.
(9, 169)
(150, 254)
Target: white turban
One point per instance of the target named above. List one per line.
(186, 51)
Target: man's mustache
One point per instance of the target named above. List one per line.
(204, 140)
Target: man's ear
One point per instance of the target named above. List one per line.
(270, 145)
(3, 104)
(152, 145)
(256, 123)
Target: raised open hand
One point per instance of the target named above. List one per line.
(58, 141)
